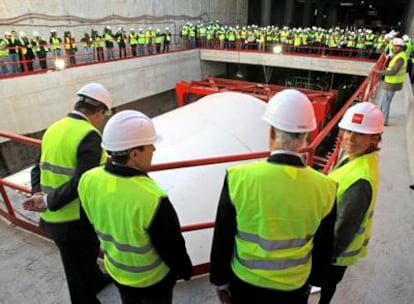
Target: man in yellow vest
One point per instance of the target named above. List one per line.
(357, 176)
(394, 76)
(136, 223)
(275, 218)
(70, 147)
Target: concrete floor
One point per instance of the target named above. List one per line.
(31, 271)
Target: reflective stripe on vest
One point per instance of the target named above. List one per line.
(364, 167)
(58, 162)
(129, 255)
(276, 223)
(400, 76)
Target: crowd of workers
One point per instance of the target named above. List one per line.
(362, 42)
(18, 52)
(280, 227)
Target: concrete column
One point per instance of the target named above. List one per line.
(332, 15)
(266, 10)
(409, 19)
(288, 17)
(320, 11)
(307, 14)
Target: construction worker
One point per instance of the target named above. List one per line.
(13, 44)
(55, 42)
(167, 40)
(141, 42)
(121, 38)
(4, 55)
(394, 76)
(158, 40)
(109, 42)
(137, 225)
(132, 40)
(39, 45)
(149, 39)
(357, 176)
(70, 47)
(275, 218)
(70, 147)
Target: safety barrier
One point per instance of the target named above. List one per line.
(361, 94)
(67, 59)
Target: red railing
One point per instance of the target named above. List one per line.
(25, 66)
(369, 84)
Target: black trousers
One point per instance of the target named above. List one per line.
(244, 293)
(333, 277)
(131, 295)
(84, 277)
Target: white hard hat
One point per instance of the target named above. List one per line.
(167, 28)
(398, 41)
(7, 34)
(132, 29)
(140, 29)
(22, 34)
(405, 38)
(35, 34)
(290, 111)
(53, 31)
(364, 118)
(98, 92)
(128, 129)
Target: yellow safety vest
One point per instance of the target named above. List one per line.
(279, 209)
(55, 43)
(4, 51)
(400, 76)
(121, 210)
(364, 167)
(58, 162)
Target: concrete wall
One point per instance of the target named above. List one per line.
(408, 99)
(80, 16)
(331, 65)
(32, 103)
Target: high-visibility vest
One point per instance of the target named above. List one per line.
(4, 51)
(364, 167)
(400, 76)
(121, 210)
(58, 162)
(159, 39)
(132, 39)
(55, 43)
(23, 46)
(141, 38)
(279, 209)
(167, 36)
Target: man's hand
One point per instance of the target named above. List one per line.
(35, 203)
(224, 295)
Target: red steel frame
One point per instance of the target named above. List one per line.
(363, 93)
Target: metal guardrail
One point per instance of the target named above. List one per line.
(365, 91)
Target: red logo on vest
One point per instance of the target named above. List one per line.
(357, 118)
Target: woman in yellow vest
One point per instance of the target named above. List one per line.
(357, 176)
(394, 76)
(274, 216)
(136, 223)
